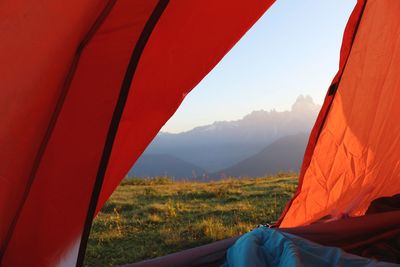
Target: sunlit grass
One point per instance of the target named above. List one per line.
(146, 218)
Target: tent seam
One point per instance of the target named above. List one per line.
(114, 124)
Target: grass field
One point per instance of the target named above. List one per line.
(149, 218)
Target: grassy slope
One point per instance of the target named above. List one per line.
(145, 219)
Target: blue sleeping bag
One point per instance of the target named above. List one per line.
(268, 247)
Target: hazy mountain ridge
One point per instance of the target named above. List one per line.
(222, 144)
(284, 154)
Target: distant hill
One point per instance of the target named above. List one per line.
(285, 154)
(150, 165)
(221, 144)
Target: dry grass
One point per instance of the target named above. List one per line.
(149, 218)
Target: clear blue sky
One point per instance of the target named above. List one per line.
(293, 49)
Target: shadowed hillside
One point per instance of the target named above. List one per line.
(285, 154)
(151, 165)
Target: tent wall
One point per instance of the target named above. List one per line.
(66, 66)
(347, 42)
(34, 63)
(356, 158)
(49, 225)
(38, 46)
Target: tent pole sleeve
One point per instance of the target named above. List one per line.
(112, 132)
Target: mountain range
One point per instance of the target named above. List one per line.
(227, 146)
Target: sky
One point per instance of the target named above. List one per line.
(293, 49)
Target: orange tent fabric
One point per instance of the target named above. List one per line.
(357, 156)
